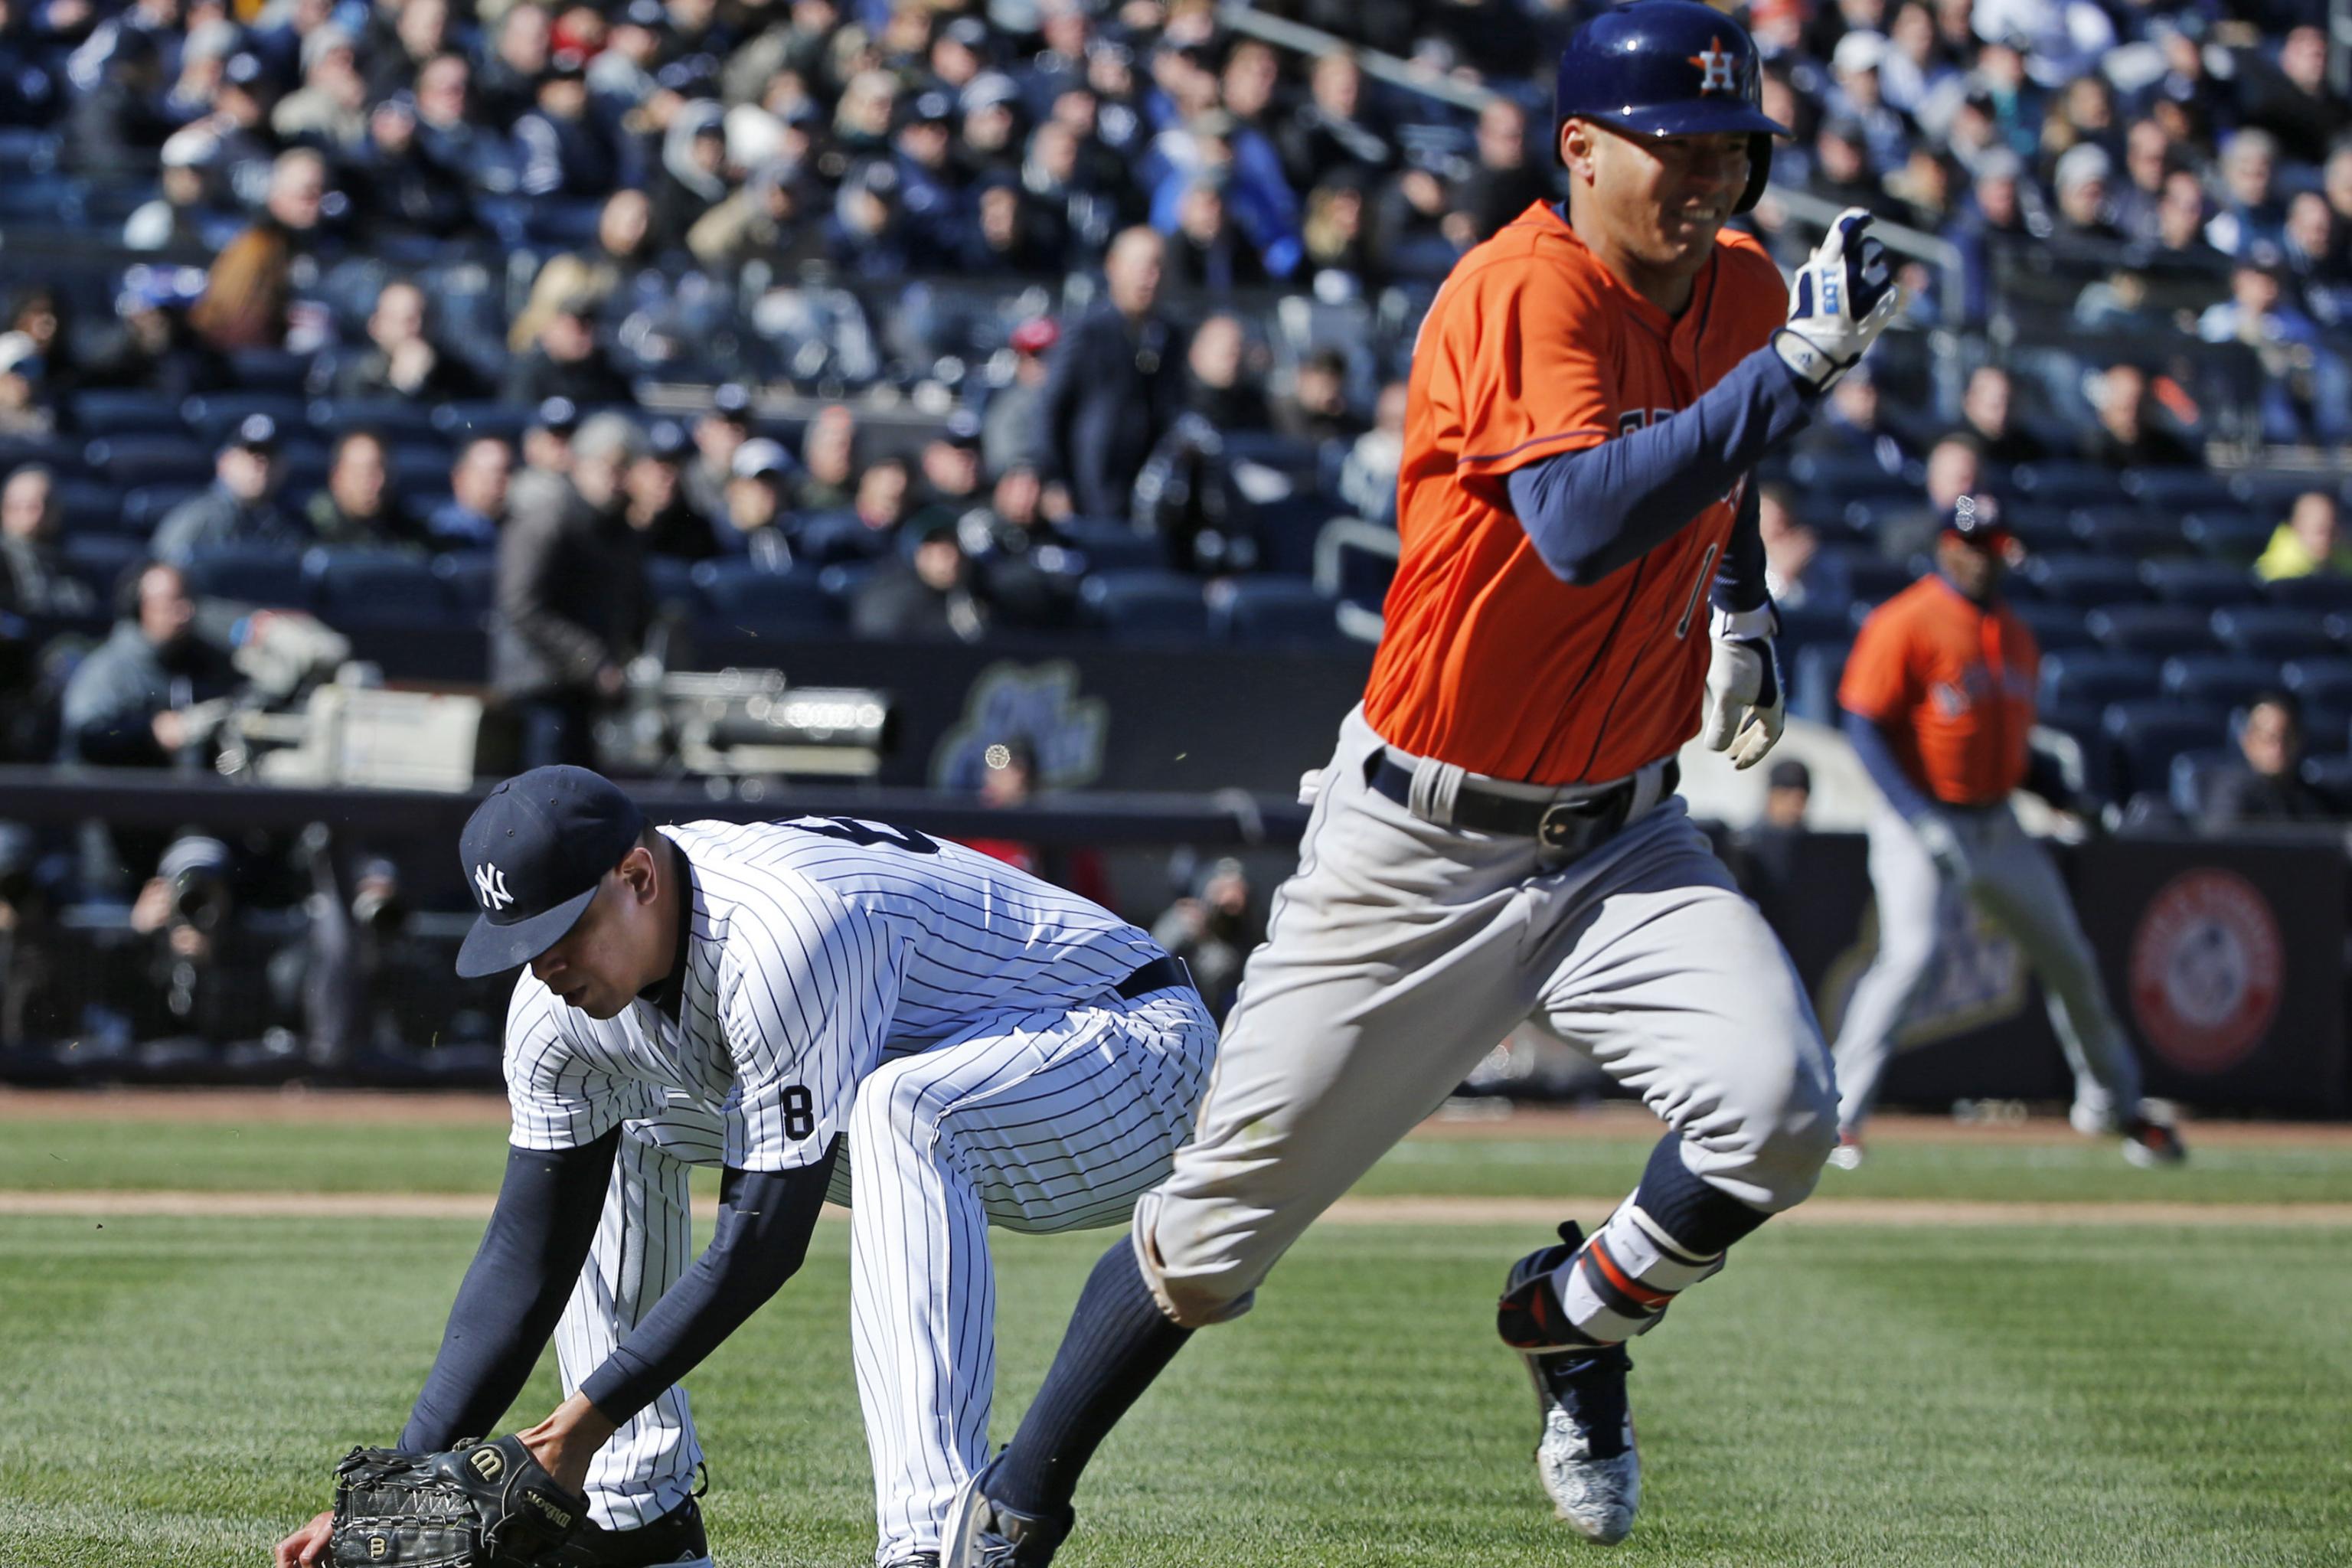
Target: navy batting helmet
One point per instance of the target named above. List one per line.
(1668, 67)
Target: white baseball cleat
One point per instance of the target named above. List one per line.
(1596, 1493)
(1847, 1155)
(1585, 1455)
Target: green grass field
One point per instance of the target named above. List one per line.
(173, 1390)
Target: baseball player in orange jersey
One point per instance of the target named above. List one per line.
(1938, 701)
(1497, 838)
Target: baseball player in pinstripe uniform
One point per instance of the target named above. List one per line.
(1498, 839)
(990, 1049)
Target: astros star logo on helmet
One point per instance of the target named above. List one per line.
(1718, 63)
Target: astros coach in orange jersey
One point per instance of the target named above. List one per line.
(1497, 838)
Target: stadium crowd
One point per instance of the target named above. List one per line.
(540, 336)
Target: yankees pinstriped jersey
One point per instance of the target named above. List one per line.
(963, 1023)
(817, 948)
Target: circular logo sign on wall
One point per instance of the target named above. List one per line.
(2205, 970)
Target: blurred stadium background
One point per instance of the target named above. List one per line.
(751, 397)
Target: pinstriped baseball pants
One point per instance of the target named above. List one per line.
(1042, 1122)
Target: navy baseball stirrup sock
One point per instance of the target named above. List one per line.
(1118, 1343)
(1701, 1218)
(1670, 1234)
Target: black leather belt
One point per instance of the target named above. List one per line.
(1159, 975)
(1575, 826)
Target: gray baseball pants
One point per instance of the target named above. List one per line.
(2012, 878)
(1402, 949)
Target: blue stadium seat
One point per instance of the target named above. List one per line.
(2064, 483)
(2319, 680)
(1846, 475)
(131, 459)
(2042, 528)
(301, 469)
(47, 199)
(1813, 678)
(139, 511)
(112, 411)
(2330, 776)
(2177, 489)
(2227, 535)
(841, 581)
(2055, 626)
(470, 579)
(100, 559)
(738, 594)
(269, 370)
(2093, 679)
(2326, 724)
(1110, 545)
(2126, 531)
(830, 538)
(2278, 631)
(256, 574)
(2083, 726)
(2147, 736)
(2317, 592)
(1821, 617)
(1285, 531)
(2208, 584)
(2192, 774)
(2155, 630)
(2272, 495)
(1263, 612)
(1858, 573)
(91, 506)
(670, 582)
(2229, 678)
(2086, 580)
(1146, 607)
(212, 416)
(352, 588)
(62, 454)
(419, 469)
(395, 419)
(463, 421)
(1293, 456)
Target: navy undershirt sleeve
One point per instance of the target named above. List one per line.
(1589, 512)
(1876, 754)
(530, 1258)
(765, 1219)
(1740, 579)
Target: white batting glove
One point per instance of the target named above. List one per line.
(1745, 706)
(1841, 299)
(1943, 846)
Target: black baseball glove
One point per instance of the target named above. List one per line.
(477, 1505)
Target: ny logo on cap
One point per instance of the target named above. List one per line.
(491, 884)
(1716, 62)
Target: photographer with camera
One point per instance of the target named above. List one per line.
(356, 974)
(200, 986)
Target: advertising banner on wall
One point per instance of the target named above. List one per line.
(2223, 960)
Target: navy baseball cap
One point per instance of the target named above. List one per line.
(533, 852)
(1976, 518)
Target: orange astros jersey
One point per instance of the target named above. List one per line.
(1490, 662)
(1952, 685)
